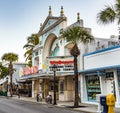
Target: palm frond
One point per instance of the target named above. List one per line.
(106, 16)
(27, 46)
(11, 57)
(32, 41)
(77, 34)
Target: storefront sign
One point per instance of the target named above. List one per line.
(30, 70)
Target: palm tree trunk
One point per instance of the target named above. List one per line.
(11, 85)
(76, 82)
(10, 73)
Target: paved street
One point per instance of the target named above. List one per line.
(19, 106)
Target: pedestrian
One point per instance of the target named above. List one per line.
(18, 92)
(40, 97)
(37, 97)
(50, 99)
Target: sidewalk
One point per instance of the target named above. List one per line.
(82, 107)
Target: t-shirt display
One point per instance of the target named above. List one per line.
(93, 86)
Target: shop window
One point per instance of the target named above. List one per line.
(62, 87)
(93, 87)
(109, 75)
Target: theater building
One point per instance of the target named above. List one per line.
(53, 49)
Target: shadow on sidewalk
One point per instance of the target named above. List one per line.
(74, 106)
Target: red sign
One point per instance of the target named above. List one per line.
(30, 70)
(61, 62)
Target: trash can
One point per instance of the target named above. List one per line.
(98, 101)
(103, 104)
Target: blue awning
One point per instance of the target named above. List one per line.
(101, 69)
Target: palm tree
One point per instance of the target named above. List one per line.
(4, 71)
(76, 35)
(110, 14)
(10, 57)
(31, 42)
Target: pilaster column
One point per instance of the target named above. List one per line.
(116, 88)
(40, 87)
(33, 88)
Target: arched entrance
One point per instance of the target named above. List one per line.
(51, 48)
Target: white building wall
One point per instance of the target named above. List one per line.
(61, 47)
(40, 59)
(102, 59)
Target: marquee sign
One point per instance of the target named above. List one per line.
(65, 64)
(61, 62)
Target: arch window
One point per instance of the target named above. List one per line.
(55, 49)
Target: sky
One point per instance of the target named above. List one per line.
(21, 18)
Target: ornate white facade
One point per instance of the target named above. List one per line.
(53, 48)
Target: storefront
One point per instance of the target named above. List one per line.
(64, 82)
(25, 88)
(26, 85)
(101, 75)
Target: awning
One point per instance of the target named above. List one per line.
(47, 75)
(21, 81)
(100, 69)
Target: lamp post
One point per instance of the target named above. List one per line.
(54, 69)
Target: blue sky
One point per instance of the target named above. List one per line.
(20, 18)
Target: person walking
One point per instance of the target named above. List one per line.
(18, 91)
(48, 98)
(37, 97)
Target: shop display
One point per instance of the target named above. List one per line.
(93, 86)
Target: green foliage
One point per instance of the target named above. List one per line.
(32, 41)
(4, 71)
(30, 63)
(109, 14)
(3, 93)
(106, 15)
(77, 34)
(10, 57)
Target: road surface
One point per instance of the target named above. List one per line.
(19, 106)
